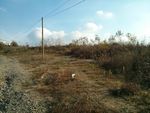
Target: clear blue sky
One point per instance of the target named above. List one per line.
(103, 17)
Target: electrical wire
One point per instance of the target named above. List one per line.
(70, 7)
(57, 8)
(53, 12)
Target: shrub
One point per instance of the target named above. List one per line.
(49, 78)
(140, 70)
(2, 45)
(130, 60)
(14, 44)
(7, 50)
(127, 89)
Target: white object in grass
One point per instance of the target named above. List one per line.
(42, 77)
(73, 76)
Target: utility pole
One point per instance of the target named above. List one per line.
(42, 40)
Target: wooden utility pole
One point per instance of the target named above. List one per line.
(42, 40)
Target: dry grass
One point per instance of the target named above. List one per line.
(88, 93)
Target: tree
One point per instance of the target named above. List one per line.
(112, 39)
(2, 45)
(97, 39)
(119, 35)
(81, 41)
(132, 38)
(14, 44)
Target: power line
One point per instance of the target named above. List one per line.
(70, 7)
(53, 12)
(61, 11)
(57, 8)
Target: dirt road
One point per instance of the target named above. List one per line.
(12, 98)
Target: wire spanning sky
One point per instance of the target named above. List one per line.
(91, 17)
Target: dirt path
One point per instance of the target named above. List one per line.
(13, 99)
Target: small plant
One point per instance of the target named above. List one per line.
(49, 78)
(128, 89)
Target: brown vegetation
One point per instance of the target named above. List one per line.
(104, 71)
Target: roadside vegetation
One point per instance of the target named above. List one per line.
(120, 71)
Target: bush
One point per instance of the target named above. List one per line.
(132, 61)
(7, 50)
(2, 45)
(14, 44)
(119, 63)
(140, 70)
(128, 89)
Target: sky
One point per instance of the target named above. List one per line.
(20, 19)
